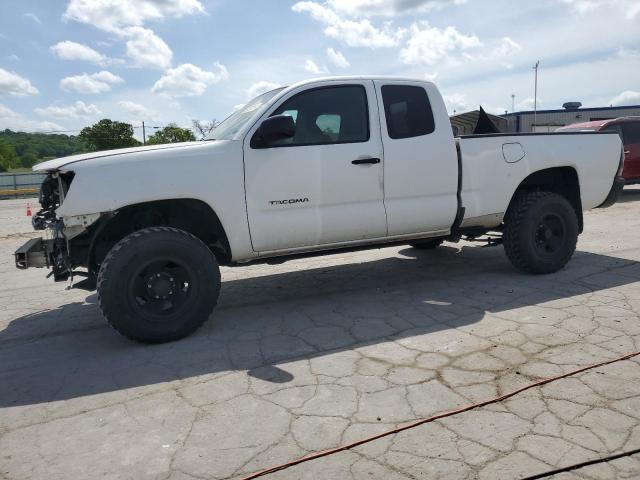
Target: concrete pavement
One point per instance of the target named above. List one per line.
(313, 353)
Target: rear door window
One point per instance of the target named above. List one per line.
(407, 110)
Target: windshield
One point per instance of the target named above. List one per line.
(234, 122)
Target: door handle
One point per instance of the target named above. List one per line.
(363, 161)
(627, 152)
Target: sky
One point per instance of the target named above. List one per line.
(65, 64)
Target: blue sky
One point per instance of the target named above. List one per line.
(65, 64)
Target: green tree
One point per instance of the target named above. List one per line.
(108, 134)
(42, 145)
(8, 157)
(171, 134)
(29, 157)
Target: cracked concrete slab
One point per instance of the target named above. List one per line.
(313, 353)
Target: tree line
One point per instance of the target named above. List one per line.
(23, 150)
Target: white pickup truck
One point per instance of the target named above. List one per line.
(322, 165)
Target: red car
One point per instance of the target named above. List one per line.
(629, 130)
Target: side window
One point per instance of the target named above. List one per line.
(330, 125)
(631, 133)
(407, 110)
(327, 115)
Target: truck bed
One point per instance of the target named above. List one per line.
(487, 186)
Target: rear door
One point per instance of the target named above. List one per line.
(324, 185)
(421, 163)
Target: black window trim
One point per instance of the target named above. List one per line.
(321, 87)
(384, 109)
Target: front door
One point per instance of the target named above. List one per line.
(324, 185)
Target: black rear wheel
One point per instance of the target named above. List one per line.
(541, 232)
(158, 284)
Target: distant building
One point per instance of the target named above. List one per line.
(572, 112)
(465, 123)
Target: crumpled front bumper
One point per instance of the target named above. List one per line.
(44, 253)
(34, 253)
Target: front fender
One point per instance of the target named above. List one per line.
(211, 172)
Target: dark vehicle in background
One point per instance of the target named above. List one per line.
(629, 129)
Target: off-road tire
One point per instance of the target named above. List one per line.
(524, 232)
(120, 271)
(427, 244)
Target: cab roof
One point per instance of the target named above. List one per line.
(359, 77)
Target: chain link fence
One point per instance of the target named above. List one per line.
(20, 185)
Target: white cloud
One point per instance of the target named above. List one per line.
(96, 83)
(33, 17)
(188, 80)
(456, 102)
(431, 76)
(13, 84)
(147, 50)
(135, 109)
(13, 57)
(627, 53)
(506, 48)
(126, 19)
(355, 33)
(17, 122)
(314, 68)
(115, 15)
(628, 97)
(69, 50)
(630, 8)
(77, 110)
(6, 111)
(261, 87)
(337, 58)
(428, 45)
(369, 8)
(527, 104)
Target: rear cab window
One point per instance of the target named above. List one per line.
(407, 111)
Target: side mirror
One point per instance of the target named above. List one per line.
(273, 129)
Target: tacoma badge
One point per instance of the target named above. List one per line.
(289, 202)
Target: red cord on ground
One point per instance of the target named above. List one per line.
(438, 416)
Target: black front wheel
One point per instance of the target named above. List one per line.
(158, 284)
(541, 232)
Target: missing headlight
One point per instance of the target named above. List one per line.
(52, 192)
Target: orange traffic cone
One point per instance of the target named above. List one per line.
(29, 210)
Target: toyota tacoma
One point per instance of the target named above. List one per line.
(319, 166)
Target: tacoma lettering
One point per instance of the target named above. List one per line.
(289, 202)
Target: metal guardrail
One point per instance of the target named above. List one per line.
(20, 185)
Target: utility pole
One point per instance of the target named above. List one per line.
(513, 103)
(144, 135)
(535, 95)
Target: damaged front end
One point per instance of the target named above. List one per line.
(53, 249)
